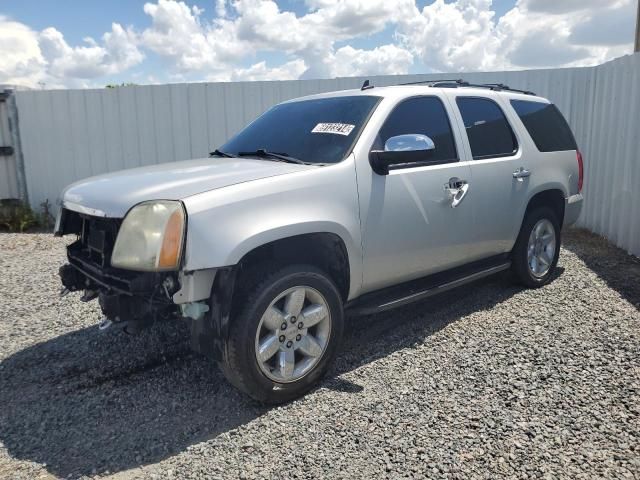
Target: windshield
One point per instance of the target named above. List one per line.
(318, 131)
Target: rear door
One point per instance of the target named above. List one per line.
(499, 168)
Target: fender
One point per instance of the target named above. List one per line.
(226, 224)
(553, 185)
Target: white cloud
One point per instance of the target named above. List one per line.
(30, 58)
(539, 49)
(464, 35)
(118, 53)
(21, 62)
(260, 71)
(445, 35)
(538, 33)
(452, 36)
(385, 60)
(191, 44)
(221, 8)
(347, 19)
(614, 26)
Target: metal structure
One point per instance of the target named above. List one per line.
(12, 183)
(636, 47)
(67, 135)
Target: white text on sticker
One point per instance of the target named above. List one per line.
(336, 128)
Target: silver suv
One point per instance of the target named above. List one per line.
(352, 201)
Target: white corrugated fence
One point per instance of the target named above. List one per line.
(67, 135)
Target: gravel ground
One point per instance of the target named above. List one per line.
(484, 382)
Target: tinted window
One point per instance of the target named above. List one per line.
(422, 115)
(489, 133)
(546, 125)
(287, 128)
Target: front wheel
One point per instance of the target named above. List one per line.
(285, 333)
(535, 254)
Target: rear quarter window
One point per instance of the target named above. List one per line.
(546, 125)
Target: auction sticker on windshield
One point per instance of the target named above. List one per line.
(336, 128)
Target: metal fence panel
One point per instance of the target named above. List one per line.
(8, 171)
(69, 135)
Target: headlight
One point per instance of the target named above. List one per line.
(150, 237)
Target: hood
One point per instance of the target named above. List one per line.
(113, 194)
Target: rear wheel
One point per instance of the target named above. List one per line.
(535, 254)
(285, 334)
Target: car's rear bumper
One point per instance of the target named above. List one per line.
(572, 209)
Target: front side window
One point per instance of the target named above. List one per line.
(546, 125)
(322, 130)
(490, 135)
(424, 116)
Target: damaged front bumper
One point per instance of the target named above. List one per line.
(131, 300)
(134, 300)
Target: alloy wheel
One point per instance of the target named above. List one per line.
(541, 248)
(293, 334)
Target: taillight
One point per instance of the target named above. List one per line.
(580, 171)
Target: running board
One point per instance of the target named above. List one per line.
(405, 294)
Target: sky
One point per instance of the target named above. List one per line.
(92, 43)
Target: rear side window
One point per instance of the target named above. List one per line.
(421, 115)
(546, 125)
(490, 135)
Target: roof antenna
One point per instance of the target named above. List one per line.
(366, 85)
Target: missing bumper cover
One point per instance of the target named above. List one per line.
(137, 299)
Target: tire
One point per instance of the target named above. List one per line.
(545, 220)
(272, 381)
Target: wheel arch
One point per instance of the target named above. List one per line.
(553, 198)
(324, 250)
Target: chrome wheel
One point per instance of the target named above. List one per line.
(541, 248)
(293, 334)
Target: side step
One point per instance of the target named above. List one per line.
(416, 290)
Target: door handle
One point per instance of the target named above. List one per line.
(456, 189)
(521, 174)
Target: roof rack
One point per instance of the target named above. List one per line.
(501, 86)
(431, 82)
(446, 83)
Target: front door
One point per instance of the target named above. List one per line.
(409, 226)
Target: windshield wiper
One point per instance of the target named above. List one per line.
(218, 153)
(280, 157)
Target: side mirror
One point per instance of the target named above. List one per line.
(401, 149)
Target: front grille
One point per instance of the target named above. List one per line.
(96, 236)
(91, 256)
